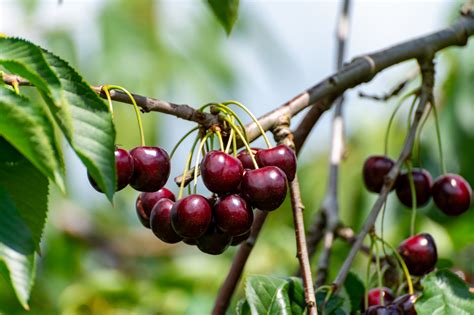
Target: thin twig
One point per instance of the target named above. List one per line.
(427, 71)
(395, 91)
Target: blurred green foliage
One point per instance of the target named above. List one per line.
(99, 260)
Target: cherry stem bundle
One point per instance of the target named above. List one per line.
(413, 197)
(438, 136)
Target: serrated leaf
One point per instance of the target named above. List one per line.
(226, 12)
(334, 306)
(267, 295)
(355, 289)
(27, 187)
(444, 293)
(29, 128)
(27, 60)
(20, 270)
(93, 130)
(242, 307)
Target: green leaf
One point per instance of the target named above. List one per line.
(23, 208)
(28, 190)
(444, 293)
(93, 130)
(268, 295)
(27, 60)
(242, 307)
(29, 128)
(226, 12)
(334, 306)
(355, 289)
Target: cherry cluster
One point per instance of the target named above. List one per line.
(225, 218)
(451, 193)
(402, 305)
(145, 168)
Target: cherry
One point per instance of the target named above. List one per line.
(375, 296)
(123, 170)
(407, 303)
(422, 182)
(281, 156)
(147, 200)
(233, 215)
(152, 168)
(190, 241)
(214, 241)
(236, 240)
(265, 188)
(245, 158)
(375, 169)
(419, 253)
(384, 310)
(191, 216)
(160, 221)
(452, 194)
(221, 172)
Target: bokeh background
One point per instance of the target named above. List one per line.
(98, 259)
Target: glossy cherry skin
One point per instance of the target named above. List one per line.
(147, 200)
(233, 215)
(152, 168)
(214, 241)
(419, 253)
(123, 170)
(375, 169)
(422, 182)
(160, 222)
(375, 295)
(280, 156)
(221, 172)
(245, 158)
(265, 188)
(191, 216)
(452, 194)
(190, 241)
(236, 240)
(384, 310)
(407, 303)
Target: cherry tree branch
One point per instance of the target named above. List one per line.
(427, 72)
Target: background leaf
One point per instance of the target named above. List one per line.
(445, 293)
(355, 289)
(268, 295)
(29, 128)
(226, 12)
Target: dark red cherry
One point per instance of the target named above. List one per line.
(190, 241)
(214, 241)
(419, 253)
(236, 240)
(407, 303)
(152, 168)
(452, 194)
(123, 170)
(422, 182)
(375, 296)
(280, 156)
(160, 222)
(191, 216)
(245, 158)
(221, 172)
(147, 200)
(375, 169)
(233, 215)
(265, 188)
(384, 310)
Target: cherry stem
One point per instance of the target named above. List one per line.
(221, 142)
(418, 136)
(379, 272)
(198, 156)
(105, 88)
(402, 264)
(186, 168)
(137, 111)
(228, 111)
(246, 144)
(410, 113)
(229, 142)
(181, 140)
(438, 136)
(382, 224)
(15, 86)
(413, 196)
(392, 117)
(367, 275)
(255, 120)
